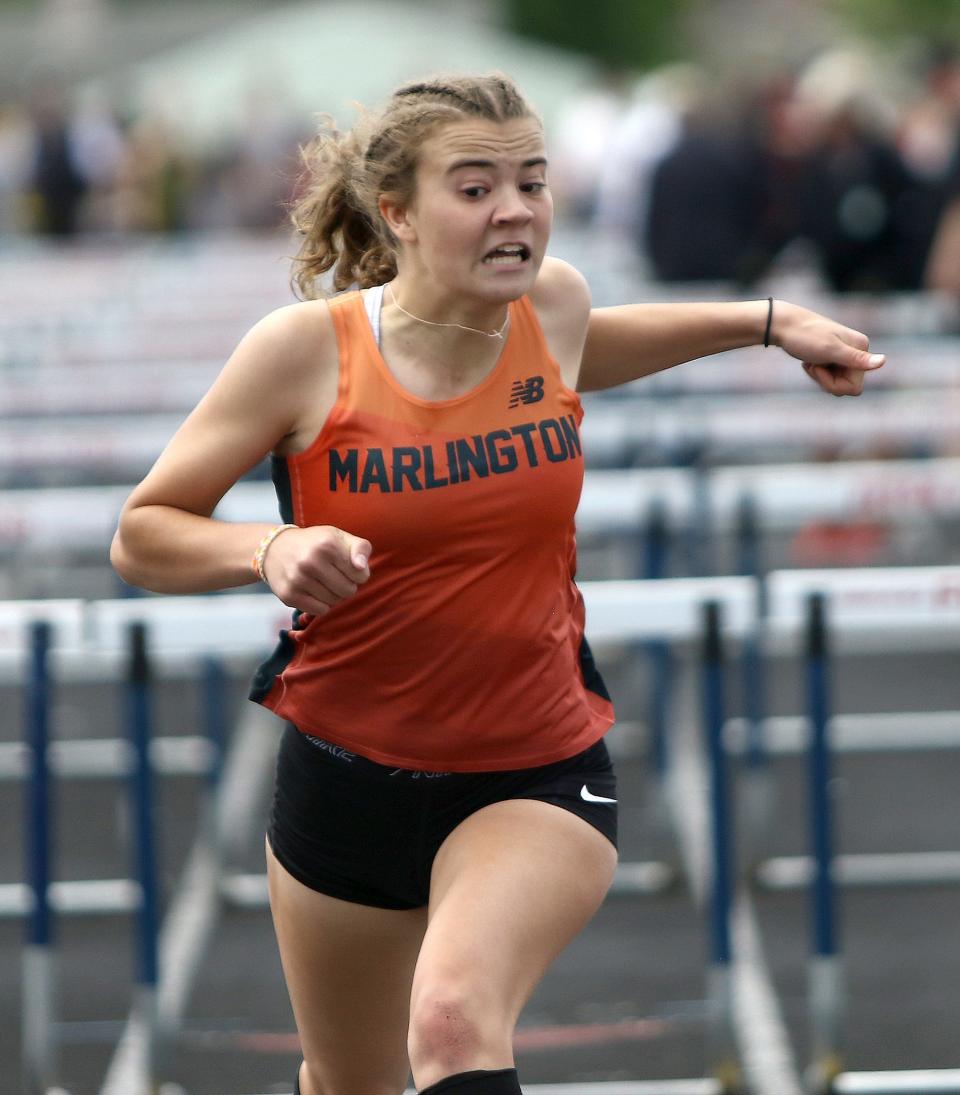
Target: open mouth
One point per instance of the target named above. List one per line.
(508, 254)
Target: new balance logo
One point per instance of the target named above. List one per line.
(526, 391)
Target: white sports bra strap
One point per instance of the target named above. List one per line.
(373, 302)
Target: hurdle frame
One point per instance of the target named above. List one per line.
(670, 610)
(674, 611)
(833, 621)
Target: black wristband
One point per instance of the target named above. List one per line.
(766, 333)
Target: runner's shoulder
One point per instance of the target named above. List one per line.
(561, 298)
(560, 285)
(295, 340)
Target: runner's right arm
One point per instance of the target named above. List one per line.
(168, 542)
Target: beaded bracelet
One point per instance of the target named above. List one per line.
(261, 553)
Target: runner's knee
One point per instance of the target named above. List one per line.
(451, 1031)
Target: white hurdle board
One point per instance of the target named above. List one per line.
(615, 431)
(68, 636)
(248, 624)
(230, 624)
(911, 363)
(871, 609)
(106, 443)
(91, 640)
(667, 608)
(129, 388)
(66, 619)
(60, 519)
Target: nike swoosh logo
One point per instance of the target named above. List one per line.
(587, 797)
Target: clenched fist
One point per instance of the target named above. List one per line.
(312, 569)
(835, 357)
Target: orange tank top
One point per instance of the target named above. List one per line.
(465, 649)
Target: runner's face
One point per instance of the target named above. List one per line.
(482, 213)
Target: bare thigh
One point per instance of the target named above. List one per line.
(511, 886)
(349, 970)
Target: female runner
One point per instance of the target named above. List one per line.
(444, 818)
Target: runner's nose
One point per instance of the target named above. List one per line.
(512, 209)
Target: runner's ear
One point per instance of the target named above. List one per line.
(395, 214)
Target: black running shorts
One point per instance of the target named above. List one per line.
(363, 832)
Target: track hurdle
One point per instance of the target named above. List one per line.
(637, 612)
(745, 1031)
(670, 610)
(881, 609)
(72, 639)
(40, 1050)
(692, 612)
(28, 632)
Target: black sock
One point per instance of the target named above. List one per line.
(501, 1081)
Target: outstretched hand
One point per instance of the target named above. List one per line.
(835, 357)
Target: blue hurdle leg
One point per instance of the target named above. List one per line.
(39, 1046)
(758, 794)
(141, 790)
(720, 989)
(653, 565)
(825, 985)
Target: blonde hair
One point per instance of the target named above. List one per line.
(344, 175)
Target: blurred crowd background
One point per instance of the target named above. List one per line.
(717, 140)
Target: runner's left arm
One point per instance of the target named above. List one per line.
(631, 341)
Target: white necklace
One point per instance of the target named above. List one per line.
(430, 322)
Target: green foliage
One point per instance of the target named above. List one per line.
(937, 20)
(621, 33)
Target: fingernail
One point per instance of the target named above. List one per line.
(361, 561)
(877, 359)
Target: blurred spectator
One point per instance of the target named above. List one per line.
(255, 178)
(153, 180)
(704, 199)
(930, 139)
(99, 150)
(705, 189)
(711, 193)
(16, 150)
(584, 133)
(647, 131)
(56, 179)
(942, 271)
(776, 148)
(929, 133)
(857, 201)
